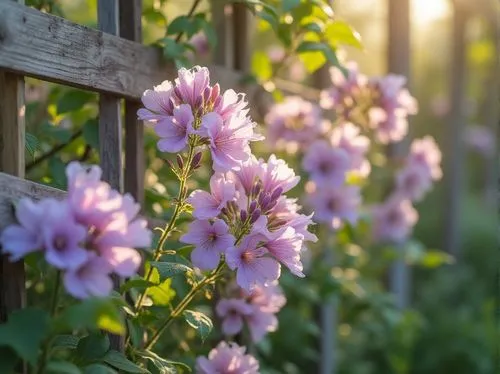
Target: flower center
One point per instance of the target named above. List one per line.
(247, 256)
(212, 236)
(325, 167)
(393, 217)
(332, 205)
(60, 242)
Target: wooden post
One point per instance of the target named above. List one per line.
(242, 37)
(398, 62)
(221, 18)
(131, 28)
(12, 140)
(454, 160)
(110, 127)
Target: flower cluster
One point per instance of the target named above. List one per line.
(191, 111)
(88, 235)
(256, 308)
(247, 218)
(380, 103)
(227, 358)
(294, 124)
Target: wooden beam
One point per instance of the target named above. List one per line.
(130, 28)
(54, 49)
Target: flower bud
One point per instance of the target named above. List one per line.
(252, 207)
(243, 215)
(276, 193)
(257, 187)
(264, 202)
(255, 216)
(206, 94)
(195, 163)
(215, 94)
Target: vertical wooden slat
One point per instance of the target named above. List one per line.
(12, 139)
(221, 18)
(398, 62)
(110, 127)
(241, 19)
(131, 28)
(454, 157)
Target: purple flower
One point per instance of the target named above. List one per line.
(285, 246)
(426, 153)
(210, 241)
(228, 140)
(227, 359)
(246, 176)
(347, 136)
(62, 236)
(208, 205)
(174, 130)
(293, 124)
(480, 139)
(277, 174)
(20, 239)
(334, 205)
(413, 181)
(200, 43)
(260, 323)
(158, 103)
(325, 164)
(231, 104)
(389, 126)
(269, 299)
(252, 265)
(191, 84)
(90, 279)
(232, 312)
(393, 220)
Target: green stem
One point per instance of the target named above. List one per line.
(184, 304)
(53, 308)
(181, 197)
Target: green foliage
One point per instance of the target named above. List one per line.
(162, 365)
(200, 322)
(169, 269)
(162, 293)
(24, 332)
(62, 367)
(120, 362)
(73, 100)
(93, 347)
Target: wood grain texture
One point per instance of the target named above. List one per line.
(242, 37)
(54, 49)
(130, 28)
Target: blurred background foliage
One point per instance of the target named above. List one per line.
(451, 328)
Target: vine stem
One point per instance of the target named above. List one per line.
(181, 196)
(184, 304)
(53, 309)
(191, 12)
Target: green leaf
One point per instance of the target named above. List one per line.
(24, 332)
(261, 66)
(169, 269)
(185, 24)
(98, 369)
(200, 322)
(312, 60)
(324, 7)
(210, 33)
(154, 16)
(163, 365)
(341, 33)
(135, 332)
(62, 367)
(73, 100)
(172, 49)
(93, 346)
(313, 26)
(91, 133)
(139, 283)
(58, 171)
(163, 293)
(312, 46)
(92, 314)
(32, 144)
(65, 342)
(119, 361)
(288, 5)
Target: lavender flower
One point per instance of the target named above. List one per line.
(393, 220)
(325, 164)
(208, 205)
(413, 181)
(174, 130)
(347, 136)
(227, 358)
(232, 312)
(426, 153)
(210, 240)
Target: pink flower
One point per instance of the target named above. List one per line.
(389, 126)
(210, 241)
(481, 139)
(413, 182)
(229, 140)
(285, 245)
(426, 153)
(90, 279)
(252, 265)
(347, 136)
(325, 164)
(294, 122)
(200, 43)
(191, 84)
(334, 205)
(158, 103)
(277, 174)
(20, 239)
(174, 130)
(246, 176)
(62, 237)
(227, 359)
(260, 323)
(270, 299)
(232, 312)
(341, 96)
(208, 205)
(393, 220)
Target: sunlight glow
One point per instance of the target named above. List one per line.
(427, 11)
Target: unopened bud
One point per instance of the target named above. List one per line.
(215, 94)
(243, 215)
(180, 161)
(276, 193)
(206, 94)
(170, 164)
(252, 206)
(264, 202)
(255, 216)
(195, 162)
(257, 187)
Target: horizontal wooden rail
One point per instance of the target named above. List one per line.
(51, 48)
(13, 188)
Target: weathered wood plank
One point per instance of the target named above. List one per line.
(130, 28)
(242, 37)
(51, 48)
